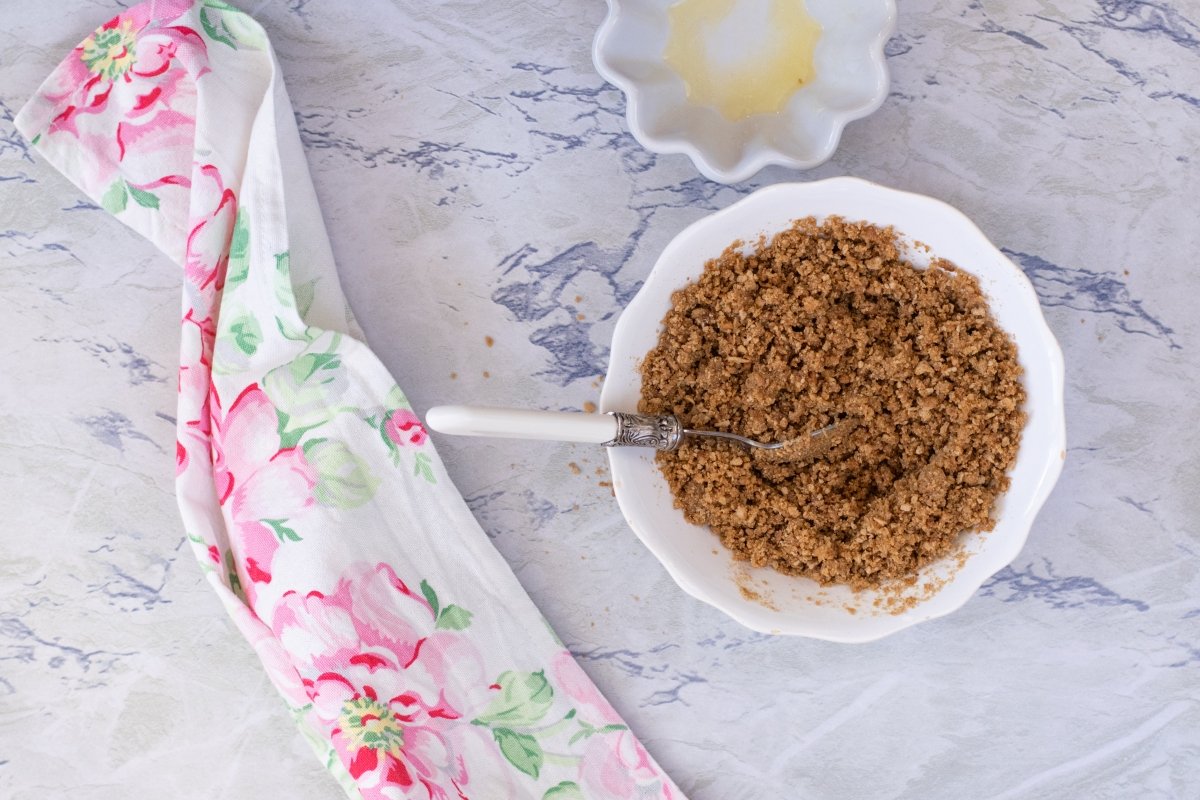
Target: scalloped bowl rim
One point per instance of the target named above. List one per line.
(754, 160)
(1041, 460)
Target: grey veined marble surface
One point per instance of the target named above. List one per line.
(479, 181)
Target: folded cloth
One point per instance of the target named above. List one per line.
(403, 644)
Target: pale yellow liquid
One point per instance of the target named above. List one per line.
(742, 57)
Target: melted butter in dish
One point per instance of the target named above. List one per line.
(742, 57)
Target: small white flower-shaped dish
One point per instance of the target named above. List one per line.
(769, 601)
(850, 81)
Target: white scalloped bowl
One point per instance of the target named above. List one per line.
(766, 600)
(850, 81)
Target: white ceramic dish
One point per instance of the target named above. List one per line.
(763, 599)
(851, 81)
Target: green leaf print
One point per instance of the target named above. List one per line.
(284, 292)
(247, 334)
(430, 596)
(235, 583)
(589, 730)
(343, 479)
(289, 437)
(144, 199)
(233, 23)
(305, 367)
(116, 198)
(524, 699)
(396, 399)
(567, 790)
(307, 389)
(521, 750)
(239, 252)
(453, 618)
(294, 335)
(282, 531)
(217, 31)
(422, 467)
(450, 618)
(304, 295)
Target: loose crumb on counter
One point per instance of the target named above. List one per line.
(826, 323)
(589, 407)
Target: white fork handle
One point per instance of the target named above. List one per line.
(517, 423)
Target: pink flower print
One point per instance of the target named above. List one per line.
(142, 72)
(278, 665)
(193, 446)
(207, 255)
(576, 685)
(395, 693)
(195, 371)
(202, 346)
(122, 56)
(375, 620)
(615, 766)
(404, 427)
(398, 742)
(260, 485)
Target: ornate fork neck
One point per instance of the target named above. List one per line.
(662, 432)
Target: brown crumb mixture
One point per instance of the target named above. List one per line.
(824, 324)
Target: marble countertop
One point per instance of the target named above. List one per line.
(479, 181)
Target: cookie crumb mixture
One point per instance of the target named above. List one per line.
(826, 323)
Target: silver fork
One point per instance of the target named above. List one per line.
(615, 429)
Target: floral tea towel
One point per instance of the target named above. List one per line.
(409, 655)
